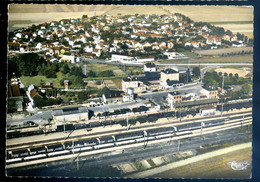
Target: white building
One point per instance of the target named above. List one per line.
(70, 58)
(122, 58)
(170, 54)
(149, 67)
(144, 59)
(207, 110)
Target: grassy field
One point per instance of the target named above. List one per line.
(39, 79)
(99, 67)
(216, 167)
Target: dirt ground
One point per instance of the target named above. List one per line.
(241, 28)
(224, 51)
(216, 167)
(25, 15)
(241, 72)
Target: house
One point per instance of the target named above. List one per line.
(211, 94)
(169, 74)
(173, 98)
(226, 37)
(149, 67)
(68, 58)
(162, 45)
(129, 83)
(195, 44)
(55, 50)
(33, 92)
(134, 84)
(208, 110)
(13, 90)
(171, 54)
(233, 37)
(115, 96)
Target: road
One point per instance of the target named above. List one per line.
(168, 64)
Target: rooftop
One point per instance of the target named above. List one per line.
(169, 71)
(150, 65)
(130, 79)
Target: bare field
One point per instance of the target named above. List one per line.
(216, 167)
(241, 28)
(213, 52)
(40, 13)
(250, 35)
(48, 8)
(215, 59)
(208, 13)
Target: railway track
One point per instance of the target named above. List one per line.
(135, 139)
(70, 137)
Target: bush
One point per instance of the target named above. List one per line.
(107, 73)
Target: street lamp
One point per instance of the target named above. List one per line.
(222, 93)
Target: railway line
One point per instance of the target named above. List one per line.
(112, 120)
(124, 140)
(27, 142)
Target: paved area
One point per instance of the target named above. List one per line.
(208, 155)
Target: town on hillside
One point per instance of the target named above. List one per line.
(135, 87)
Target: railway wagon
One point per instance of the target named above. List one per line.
(129, 136)
(213, 122)
(67, 127)
(108, 139)
(20, 153)
(34, 157)
(160, 131)
(125, 142)
(190, 126)
(38, 150)
(54, 148)
(104, 145)
(183, 133)
(63, 152)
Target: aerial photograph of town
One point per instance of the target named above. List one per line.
(129, 91)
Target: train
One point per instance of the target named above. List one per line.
(71, 147)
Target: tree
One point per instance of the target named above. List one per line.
(196, 72)
(211, 80)
(236, 75)
(13, 69)
(65, 69)
(76, 71)
(28, 63)
(104, 90)
(92, 74)
(228, 32)
(246, 88)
